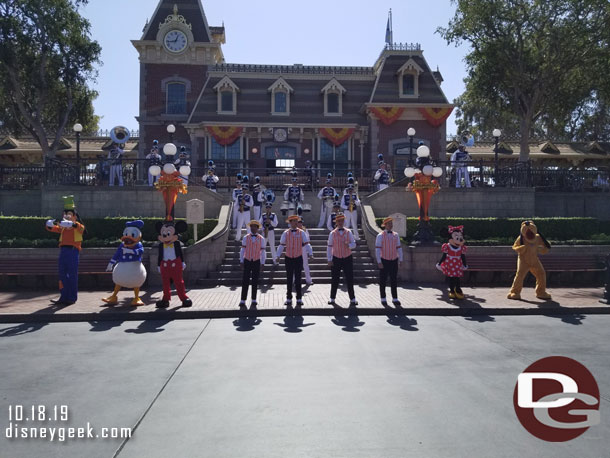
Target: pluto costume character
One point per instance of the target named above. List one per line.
(129, 272)
(528, 246)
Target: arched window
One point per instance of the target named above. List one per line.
(176, 98)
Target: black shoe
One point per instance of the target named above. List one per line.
(187, 303)
(162, 304)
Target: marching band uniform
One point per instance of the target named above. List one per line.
(211, 182)
(153, 158)
(181, 161)
(382, 177)
(243, 217)
(294, 194)
(258, 198)
(351, 217)
(238, 191)
(272, 221)
(341, 242)
(459, 160)
(388, 251)
(294, 240)
(326, 192)
(251, 257)
(115, 155)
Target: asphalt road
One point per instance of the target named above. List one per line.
(375, 387)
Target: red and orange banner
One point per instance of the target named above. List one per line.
(225, 135)
(388, 115)
(336, 136)
(436, 116)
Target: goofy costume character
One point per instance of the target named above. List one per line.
(171, 263)
(71, 231)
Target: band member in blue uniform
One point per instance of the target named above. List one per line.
(350, 204)
(237, 191)
(459, 160)
(326, 195)
(382, 176)
(115, 156)
(258, 198)
(269, 222)
(294, 194)
(243, 204)
(211, 180)
(183, 160)
(153, 158)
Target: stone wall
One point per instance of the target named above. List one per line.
(94, 202)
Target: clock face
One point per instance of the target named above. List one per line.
(280, 135)
(175, 41)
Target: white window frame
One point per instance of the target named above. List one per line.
(225, 85)
(225, 147)
(409, 68)
(280, 85)
(333, 87)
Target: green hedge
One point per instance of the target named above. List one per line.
(507, 229)
(31, 232)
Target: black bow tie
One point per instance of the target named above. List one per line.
(293, 230)
(389, 232)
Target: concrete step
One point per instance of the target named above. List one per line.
(277, 275)
(316, 264)
(212, 282)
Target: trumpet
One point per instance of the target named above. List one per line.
(241, 202)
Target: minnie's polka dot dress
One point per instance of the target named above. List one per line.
(452, 265)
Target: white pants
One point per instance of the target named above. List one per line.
(234, 215)
(462, 172)
(116, 171)
(152, 179)
(323, 215)
(256, 210)
(242, 221)
(271, 243)
(383, 186)
(306, 267)
(351, 222)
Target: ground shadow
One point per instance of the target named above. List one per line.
(469, 303)
(293, 323)
(25, 328)
(149, 326)
(249, 322)
(401, 321)
(348, 322)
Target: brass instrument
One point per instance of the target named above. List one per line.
(267, 223)
(241, 202)
(353, 193)
(120, 135)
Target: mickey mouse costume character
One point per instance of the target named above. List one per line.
(126, 264)
(171, 263)
(71, 231)
(453, 261)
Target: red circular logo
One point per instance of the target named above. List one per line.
(556, 399)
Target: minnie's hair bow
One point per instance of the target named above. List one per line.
(456, 228)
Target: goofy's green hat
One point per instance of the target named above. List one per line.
(69, 203)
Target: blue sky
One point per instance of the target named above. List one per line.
(316, 32)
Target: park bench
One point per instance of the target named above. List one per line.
(553, 264)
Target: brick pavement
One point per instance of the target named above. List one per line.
(222, 301)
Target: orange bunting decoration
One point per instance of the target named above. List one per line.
(436, 116)
(170, 186)
(225, 135)
(388, 115)
(336, 136)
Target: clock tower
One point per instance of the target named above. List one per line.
(175, 51)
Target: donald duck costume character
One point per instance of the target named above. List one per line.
(129, 272)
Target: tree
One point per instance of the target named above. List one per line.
(534, 59)
(47, 59)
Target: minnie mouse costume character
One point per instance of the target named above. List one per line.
(171, 261)
(453, 261)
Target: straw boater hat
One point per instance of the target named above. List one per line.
(387, 220)
(254, 223)
(292, 218)
(340, 216)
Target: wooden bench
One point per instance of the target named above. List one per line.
(47, 266)
(553, 263)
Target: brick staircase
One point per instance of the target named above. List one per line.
(229, 273)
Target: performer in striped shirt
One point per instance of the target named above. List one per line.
(341, 242)
(251, 258)
(294, 239)
(388, 251)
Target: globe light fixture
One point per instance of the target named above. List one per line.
(409, 172)
(78, 128)
(185, 170)
(437, 172)
(154, 170)
(169, 168)
(411, 132)
(497, 133)
(428, 170)
(171, 129)
(423, 151)
(169, 149)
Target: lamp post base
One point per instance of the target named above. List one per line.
(424, 235)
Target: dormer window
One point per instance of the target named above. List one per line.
(408, 79)
(333, 98)
(227, 96)
(280, 97)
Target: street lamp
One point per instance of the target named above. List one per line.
(78, 128)
(411, 134)
(171, 130)
(497, 133)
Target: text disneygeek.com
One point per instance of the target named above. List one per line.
(35, 422)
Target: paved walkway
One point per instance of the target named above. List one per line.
(222, 301)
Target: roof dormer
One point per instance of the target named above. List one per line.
(280, 97)
(333, 98)
(408, 79)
